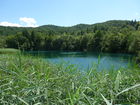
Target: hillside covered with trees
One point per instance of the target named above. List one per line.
(116, 36)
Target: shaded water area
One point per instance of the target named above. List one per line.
(86, 60)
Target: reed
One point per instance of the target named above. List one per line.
(27, 80)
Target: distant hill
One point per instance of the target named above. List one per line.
(80, 29)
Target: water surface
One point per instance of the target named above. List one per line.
(86, 60)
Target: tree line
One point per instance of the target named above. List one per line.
(110, 36)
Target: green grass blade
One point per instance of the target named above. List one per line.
(127, 89)
(106, 101)
(117, 81)
(23, 101)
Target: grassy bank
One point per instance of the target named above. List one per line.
(26, 80)
(8, 51)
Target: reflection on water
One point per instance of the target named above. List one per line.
(84, 60)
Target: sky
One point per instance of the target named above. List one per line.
(33, 13)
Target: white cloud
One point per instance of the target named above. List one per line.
(9, 24)
(24, 22)
(30, 22)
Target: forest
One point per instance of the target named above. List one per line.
(115, 36)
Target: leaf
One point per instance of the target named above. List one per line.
(38, 103)
(89, 103)
(21, 99)
(107, 101)
(127, 89)
(117, 81)
(70, 97)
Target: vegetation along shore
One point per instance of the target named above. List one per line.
(28, 80)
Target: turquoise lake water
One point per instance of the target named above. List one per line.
(86, 60)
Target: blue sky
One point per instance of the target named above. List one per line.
(66, 12)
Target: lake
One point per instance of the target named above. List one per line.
(86, 60)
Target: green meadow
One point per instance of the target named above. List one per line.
(8, 51)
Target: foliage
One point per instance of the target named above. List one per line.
(112, 36)
(2, 42)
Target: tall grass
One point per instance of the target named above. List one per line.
(26, 80)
